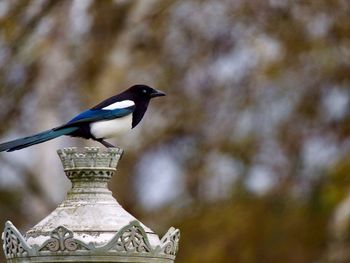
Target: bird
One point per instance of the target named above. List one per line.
(113, 116)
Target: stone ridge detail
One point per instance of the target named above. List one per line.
(131, 240)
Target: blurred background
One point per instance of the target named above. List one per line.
(249, 154)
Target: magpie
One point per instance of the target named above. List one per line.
(111, 117)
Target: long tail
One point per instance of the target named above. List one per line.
(35, 139)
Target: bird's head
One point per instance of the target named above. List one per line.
(144, 92)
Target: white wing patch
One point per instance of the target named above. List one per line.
(119, 105)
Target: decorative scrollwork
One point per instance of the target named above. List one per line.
(170, 242)
(14, 244)
(62, 240)
(131, 238)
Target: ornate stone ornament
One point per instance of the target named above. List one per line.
(89, 225)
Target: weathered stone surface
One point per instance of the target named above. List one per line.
(89, 225)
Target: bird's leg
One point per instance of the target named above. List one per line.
(109, 145)
(106, 144)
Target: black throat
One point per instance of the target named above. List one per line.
(139, 112)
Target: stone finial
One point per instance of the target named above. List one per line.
(89, 225)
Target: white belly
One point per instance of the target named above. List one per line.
(111, 128)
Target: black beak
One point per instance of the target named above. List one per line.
(157, 93)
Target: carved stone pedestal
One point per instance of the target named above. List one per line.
(89, 225)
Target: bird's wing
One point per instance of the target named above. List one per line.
(93, 115)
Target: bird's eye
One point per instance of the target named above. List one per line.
(144, 91)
